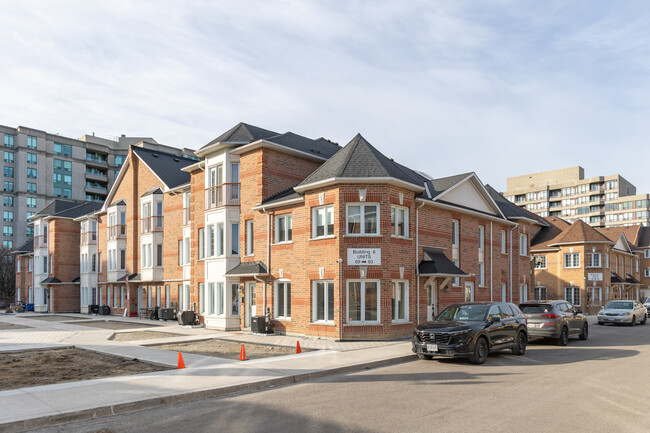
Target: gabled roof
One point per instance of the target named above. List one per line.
(166, 166)
(80, 210)
(242, 133)
(152, 191)
(51, 280)
(435, 187)
(580, 232)
(632, 233)
(511, 210)
(360, 160)
(289, 194)
(623, 245)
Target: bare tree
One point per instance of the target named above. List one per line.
(7, 277)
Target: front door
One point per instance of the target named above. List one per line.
(432, 300)
(469, 291)
(251, 309)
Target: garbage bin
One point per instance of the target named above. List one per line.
(186, 318)
(258, 324)
(93, 309)
(29, 307)
(104, 310)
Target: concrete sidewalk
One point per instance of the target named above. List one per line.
(205, 376)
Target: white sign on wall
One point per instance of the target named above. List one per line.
(364, 256)
(595, 276)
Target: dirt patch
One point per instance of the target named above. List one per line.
(10, 326)
(114, 324)
(142, 335)
(229, 349)
(55, 318)
(45, 367)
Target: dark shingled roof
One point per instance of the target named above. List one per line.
(56, 206)
(359, 159)
(436, 263)
(129, 276)
(248, 268)
(51, 280)
(511, 210)
(616, 279)
(27, 247)
(629, 278)
(165, 165)
(82, 209)
(438, 186)
(242, 133)
(287, 194)
(644, 237)
(152, 191)
(580, 231)
(547, 235)
(319, 147)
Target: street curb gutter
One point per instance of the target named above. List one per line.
(100, 412)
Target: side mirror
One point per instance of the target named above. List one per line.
(495, 319)
(578, 311)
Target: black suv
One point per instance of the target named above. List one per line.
(472, 330)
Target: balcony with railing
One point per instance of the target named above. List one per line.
(116, 232)
(40, 241)
(225, 194)
(88, 238)
(186, 216)
(152, 224)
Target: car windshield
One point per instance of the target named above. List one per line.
(619, 305)
(535, 308)
(468, 313)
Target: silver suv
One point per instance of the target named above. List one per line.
(555, 319)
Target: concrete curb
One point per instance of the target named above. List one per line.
(116, 409)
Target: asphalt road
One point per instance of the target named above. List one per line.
(599, 385)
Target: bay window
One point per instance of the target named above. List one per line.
(399, 221)
(362, 219)
(322, 221)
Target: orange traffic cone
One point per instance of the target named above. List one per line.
(298, 350)
(242, 353)
(181, 364)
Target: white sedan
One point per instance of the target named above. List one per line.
(628, 312)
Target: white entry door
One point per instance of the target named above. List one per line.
(251, 309)
(469, 291)
(432, 300)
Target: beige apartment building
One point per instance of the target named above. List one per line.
(601, 201)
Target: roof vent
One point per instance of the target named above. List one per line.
(155, 155)
(176, 159)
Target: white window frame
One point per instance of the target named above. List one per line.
(287, 299)
(646, 273)
(481, 274)
(362, 219)
(362, 301)
(481, 237)
(595, 290)
(646, 253)
(288, 229)
(535, 261)
(457, 279)
(405, 301)
(394, 215)
(570, 297)
(327, 214)
(249, 235)
(538, 291)
(590, 260)
(523, 244)
(573, 263)
(326, 300)
(455, 232)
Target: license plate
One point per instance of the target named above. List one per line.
(432, 347)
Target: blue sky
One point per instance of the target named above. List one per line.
(497, 87)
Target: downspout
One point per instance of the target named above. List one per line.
(417, 257)
(341, 290)
(268, 256)
(491, 277)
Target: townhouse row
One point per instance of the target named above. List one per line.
(328, 241)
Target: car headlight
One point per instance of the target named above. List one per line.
(459, 336)
(625, 314)
(601, 313)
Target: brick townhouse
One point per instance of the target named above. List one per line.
(24, 261)
(337, 242)
(363, 247)
(53, 262)
(589, 266)
(133, 253)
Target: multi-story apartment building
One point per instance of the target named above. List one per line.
(39, 166)
(602, 201)
(329, 241)
(588, 266)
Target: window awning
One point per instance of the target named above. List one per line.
(130, 277)
(436, 264)
(629, 278)
(51, 280)
(248, 269)
(616, 279)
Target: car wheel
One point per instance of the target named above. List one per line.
(645, 319)
(564, 337)
(633, 321)
(425, 356)
(585, 332)
(480, 352)
(520, 344)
